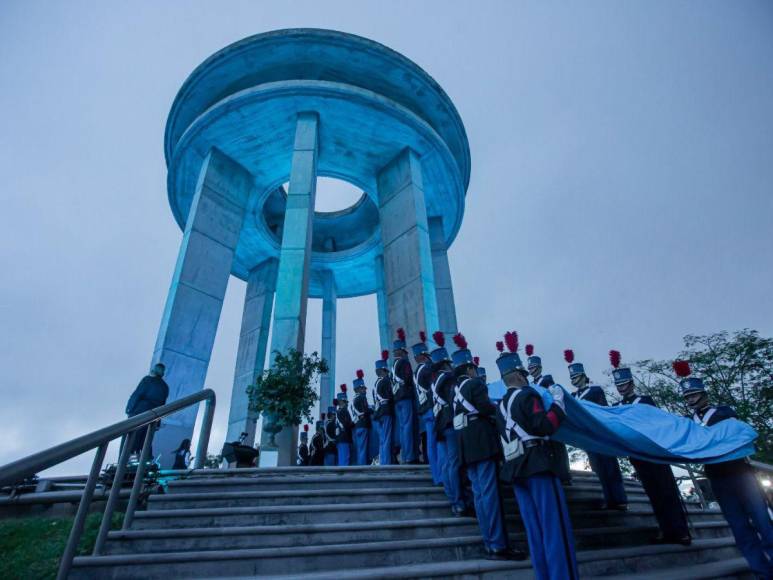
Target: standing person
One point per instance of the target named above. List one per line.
(656, 478)
(449, 460)
(740, 497)
(606, 467)
(423, 381)
(360, 413)
(475, 424)
(344, 426)
(331, 454)
(479, 370)
(182, 455)
(384, 411)
(532, 466)
(404, 395)
(152, 392)
(303, 448)
(374, 443)
(317, 446)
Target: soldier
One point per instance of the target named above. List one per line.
(404, 395)
(361, 416)
(606, 468)
(533, 467)
(656, 478)
(317, 446)
(449, 460)
(534, 366)
(384, 411)
(740, 497)
(344, 426)
(475, 424)
(330, 437)
(303, 447)
(422, 378)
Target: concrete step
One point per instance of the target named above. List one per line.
(339, 482)
(337, 559)
(733, 568)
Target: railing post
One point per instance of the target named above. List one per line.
(115, 490)
(80, 517)
(139, 476)
(206, 428)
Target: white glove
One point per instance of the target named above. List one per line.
(558, 396)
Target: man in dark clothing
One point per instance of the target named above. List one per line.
(317, 446)
(303, 448)
(422, 378)
(740, 497)
(474, 422)
(360, 413)
(656, 478)
(331, 453)
(384, 412)
(404, 395)
(152, 392)
(344, 426)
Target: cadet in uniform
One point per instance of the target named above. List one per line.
(422, 378)
(303, 447)
(384, 411)
(344, 426)
(443, 388)
(330, 437)
(740, 497)
(606, 468)
(533, 467)
(481, 371)
(404, 395)
(361, 416)
(475, 424)
(656, 478)
(317, 446)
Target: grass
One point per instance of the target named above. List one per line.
(30, 547)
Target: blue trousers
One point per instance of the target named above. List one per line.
(406, 430)
(374, 440)
(361, 446)
(385, 440)
(485, 490)
(608, 471)
(330, 459)
(545, 516)
(428, 424)
(451, 467)
(344, 453)
(745, 509)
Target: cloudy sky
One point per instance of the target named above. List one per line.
(621, 193)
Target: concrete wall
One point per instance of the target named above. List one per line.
(329, 313)
(444, 290)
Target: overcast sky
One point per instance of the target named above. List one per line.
(621, 193)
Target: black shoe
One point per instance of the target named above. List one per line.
(621, 507)
(505, 554)
(658, 539)
(457, 512)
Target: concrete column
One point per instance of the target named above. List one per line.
(327, 381)
(292, 287)
(444, 290)
(253, 341)
(195, 298)
(409, 281)
(381, 304)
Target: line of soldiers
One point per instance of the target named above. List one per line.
(471, 444)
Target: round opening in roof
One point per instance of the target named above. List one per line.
(334, 194)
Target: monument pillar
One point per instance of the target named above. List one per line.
(444, 290)
(409, 282)
(253, 341)
(381, 305)
(292, 287)
(199, 282)
(329, 313)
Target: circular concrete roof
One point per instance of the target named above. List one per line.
(372, 102)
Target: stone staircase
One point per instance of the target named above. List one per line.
(379, 522)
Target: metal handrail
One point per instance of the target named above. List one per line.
(17, 471)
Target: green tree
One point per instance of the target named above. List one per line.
(737, 370)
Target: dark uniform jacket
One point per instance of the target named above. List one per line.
(383, 393)
(479, 440)
(330, 436)
(529, 413)
(303, 454)
(444, 386)
(152, 392)
(594, 394)
(317, 449)
(344, 425)
(725, 468)
(360, 404)
(423, 380)
(402, 386)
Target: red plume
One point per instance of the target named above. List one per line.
(384, 355)
(305, 427)
(343, 388)
(529, 349)
(500, 346)
(439, 338)
(614, 358)
(422, 336)
(569, 355)
(401, 333)
(460, 341)
(511, 340)
(360, 374)
(476, 360)
(681, 368)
